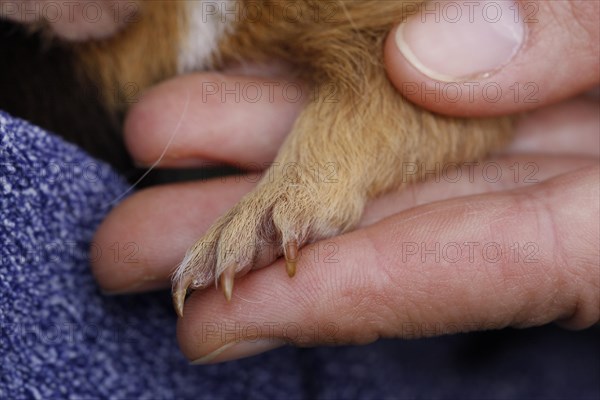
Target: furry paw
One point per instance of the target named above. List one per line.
(277, 218)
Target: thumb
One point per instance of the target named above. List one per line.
(485, 58)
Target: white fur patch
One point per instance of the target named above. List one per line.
(208, 22)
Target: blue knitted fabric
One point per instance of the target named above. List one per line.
(61, 338)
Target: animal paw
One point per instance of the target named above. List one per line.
(276, 219)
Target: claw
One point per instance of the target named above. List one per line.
(179, 292)
(227, 279)
(290, 251)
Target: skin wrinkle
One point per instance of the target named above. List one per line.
(562, 284)
(585, 33)
(584, 268)
(556, 11)
(365, 300)
(562, 272)
(404, 308)
(353, 296)
(413, 310)
(316, 311)
(528, 285)
(495, 229)
(306, 309)
(381, 307)
(381, 258)
(548, 214)
(576, 275)
(303, 301)
(527, 203)
(542, 197)
(586, 20)
(499, 287)
(527, 208)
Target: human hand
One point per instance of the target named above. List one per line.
(496, 58)
(400, 273)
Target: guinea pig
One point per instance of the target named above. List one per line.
(339, 154)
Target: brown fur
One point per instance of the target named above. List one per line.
(363, 137)
(137, 57)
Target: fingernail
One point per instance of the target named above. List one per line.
(452, 41)
(237, 350)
